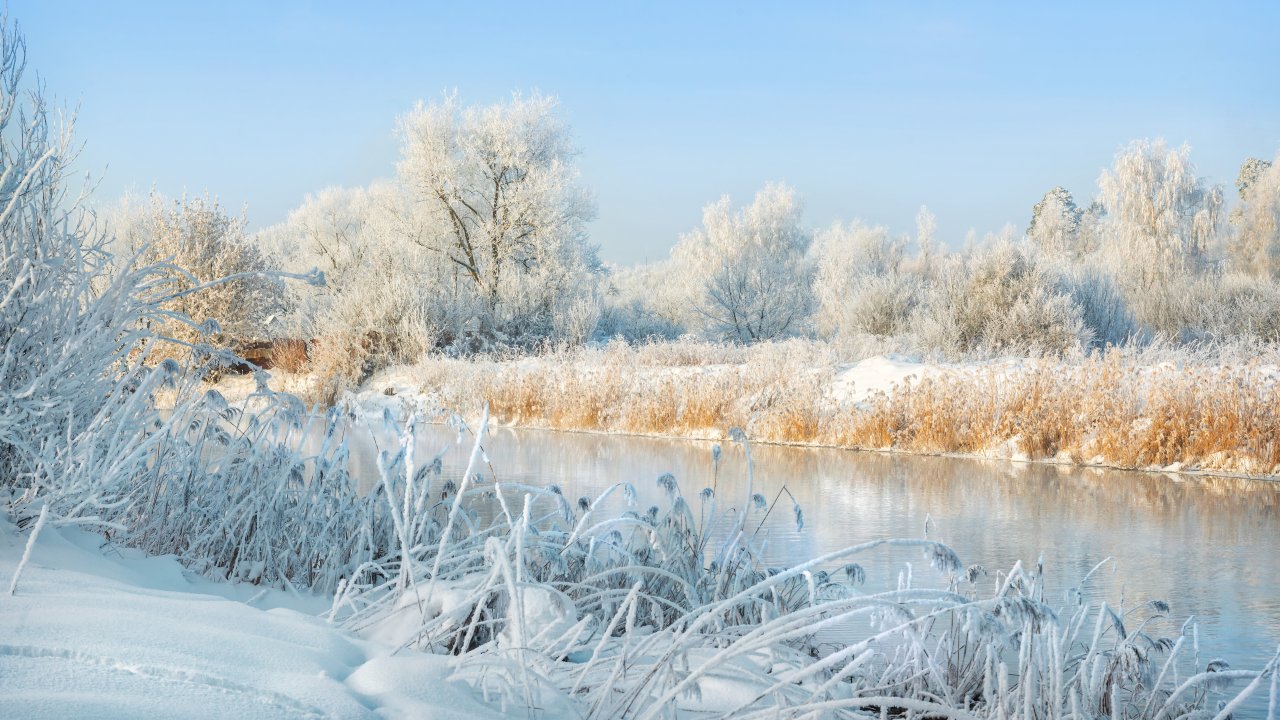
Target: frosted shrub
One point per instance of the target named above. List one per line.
(640, 304)
(999, 299)
(880, 305)
(201, 243)
(72, 327)
(1237, 305)
(378, 317)
(1104, 310)
(635, 321)
(1213, 305)
(577, 321)
(860, 285)
(82, 433)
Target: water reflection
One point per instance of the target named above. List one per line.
(1208, 546)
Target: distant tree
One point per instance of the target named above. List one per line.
(1254, 247)
(326, 231)
(1055, 224)
(1091, 229)
(1161, 218)
(746, 273)
(859, 286)
(926, 228)
(1250, 170)
(498, 200)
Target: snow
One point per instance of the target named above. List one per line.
(859, 382)
(94, 631)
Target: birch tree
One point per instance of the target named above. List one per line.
(1162, 219)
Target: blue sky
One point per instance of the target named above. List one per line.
(868, 109)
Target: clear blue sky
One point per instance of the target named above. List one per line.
(868, 109)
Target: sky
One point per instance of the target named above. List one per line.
(869, 110)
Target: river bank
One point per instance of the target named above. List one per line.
(1169, 411)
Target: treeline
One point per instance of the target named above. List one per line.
(480, 244)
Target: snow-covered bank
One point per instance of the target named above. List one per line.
(99, 631)
(619, 617)
(1168, 410)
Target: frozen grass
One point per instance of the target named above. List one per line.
(1109, 410)
(1210, 407)
(555, 607)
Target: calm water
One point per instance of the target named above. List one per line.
(1210, 547)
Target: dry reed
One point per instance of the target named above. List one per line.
(1168, 409)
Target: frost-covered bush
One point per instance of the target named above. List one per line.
(200, 244)
(1231, 305)
(998, 299)
(379, 314)
(1191, 308)
(94, 435)
(1104, 311)
(860, 286)
(384, 300)
(72, 325)
(638, 305)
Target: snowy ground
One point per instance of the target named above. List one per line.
(105, 633)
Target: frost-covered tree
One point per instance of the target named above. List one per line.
(998, 299)
(347, 233)
(859, 285)
(745, 274)
(1092, 229)
(926, 228)
(1055, 224)
(639, 305)
(1255, 244)
(1250, 169)
(202, 243)
(1162, 219)
(326, 231)
(497, 196)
